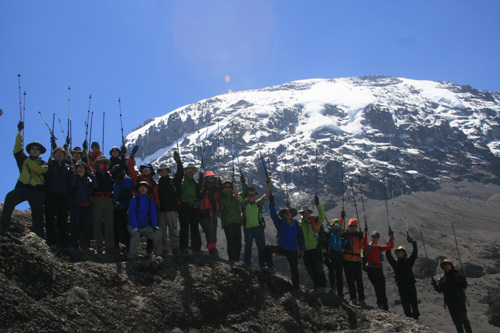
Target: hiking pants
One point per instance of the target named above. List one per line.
(120, 221)
(102, 215)
(169, 226)
(458, 312)
(335, 264)
(233, 237)
(293, 261)
(408, 296)
(81, 218)
(149, 233)
(377, 278)
(56, 205)
(209, 226)
(34, 196)
(256, 233)
(314, 266)
(189, 219)
(354, 279)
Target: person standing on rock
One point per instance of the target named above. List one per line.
(352, 261)
(29, 185)
(405, 280)
(453, 284)
(374, 257)
(117, 157)
(334, 256)
(189, 214)
(290, 242)
(94, 153)
(102, 207)
(211, 193)
(311, 225)
(253, 222)
(122, 193)
(230, 215)
(169, 208)
(142, 220)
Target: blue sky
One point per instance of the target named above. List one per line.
(160, 55)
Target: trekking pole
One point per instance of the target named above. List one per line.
(53, 122)
(21, 118)
(121, 121)
(386, 205)
(392, 203)
(426, 257)
(266, 171)
(103, 120)
(342, 181)
(362, 201)
(45, 122)
(456, 244)
(69, 101)
(354, 198)
(286, 181)
(91, 123)
(24, 108)
(404, 210)
(62, 130)
(87, 123)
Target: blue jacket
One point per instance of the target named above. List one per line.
(335, 240)
(81, 187)
(142, 212)
(122, 193)
(290, 236)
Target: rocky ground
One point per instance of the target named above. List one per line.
(46, 292)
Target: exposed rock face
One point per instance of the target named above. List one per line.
(406, 131)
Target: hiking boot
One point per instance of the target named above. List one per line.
(213, 252)
(354, 301)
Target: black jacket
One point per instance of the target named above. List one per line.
(169, 196)
(403, 268)
(58, 178)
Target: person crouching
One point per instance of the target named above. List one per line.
(142, 221)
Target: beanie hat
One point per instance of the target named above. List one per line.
(353, 222)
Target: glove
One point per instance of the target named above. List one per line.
(366, 228)
(85, 145)
(135, 231)
(177, 157)
(134, 150)
(316, 199)
(391, 233)
(409, 239)
(271, 200)
(20, 125)
(242, 179)
(342, 214)
(53, 142)
(433, 282)
(123, 151)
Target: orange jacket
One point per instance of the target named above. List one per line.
(357, 245)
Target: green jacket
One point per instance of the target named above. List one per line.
(307, 228)
(230, 211)
(32, 169)
(252, 212)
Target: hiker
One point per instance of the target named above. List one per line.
(122, 193)
(311, 225)
(253, 222)
(83, 181)
(94, 153)
(142, 222)
(374, 258)
(334, 255)
(77, 155)
(290, 242)
(230, 215)
(117, 157)
(29, 185)
(405, 280)
(169, 208)
(453, 284)
(352, 261)
(102, 207)
(189, 214)
(57, 184)
(146, 173)
(210, 195)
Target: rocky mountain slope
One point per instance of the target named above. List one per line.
(412, 133)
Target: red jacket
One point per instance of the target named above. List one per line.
(373, 258)
(93, 158)
(137, 178)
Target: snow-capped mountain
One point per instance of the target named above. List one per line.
(405, 132)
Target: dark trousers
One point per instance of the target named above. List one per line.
(293, 261)
(458, 312)
(189, 220)
(377, 278)
(209, 226)
(120, 221)
(256, 233)
(81, 219)
(408, 296)
(354, 279)
(314, 266)
(335, 264)
(56, 205)
(233, 237)
(34, 196)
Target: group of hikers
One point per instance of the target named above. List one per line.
(114, 202)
